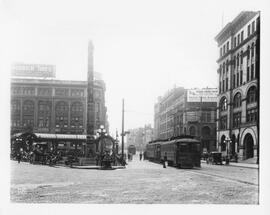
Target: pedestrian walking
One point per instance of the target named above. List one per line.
(165, 160)
(236, 157)
(19, 155)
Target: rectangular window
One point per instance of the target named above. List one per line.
(220, 52)
(253, 26)
(248, 74)
(252, 115)
(252, 71)
(234, 42)
(236, 119)
(242, 36)
(237, 81)
(228, 46)
(241, 77)
(226, 84)
(223, 122)
(224, 49)
(234, 81)
(223, 85)
(248, 30)
(238, 39)
(252, 51)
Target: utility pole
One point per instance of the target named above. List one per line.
(123, 131)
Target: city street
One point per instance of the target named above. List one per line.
(141, 182)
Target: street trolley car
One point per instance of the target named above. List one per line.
(132, 149)
(182, 151)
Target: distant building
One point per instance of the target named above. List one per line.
(52, 106)
(140, 137)
(164, 113)
(188, 112)
(238, 74)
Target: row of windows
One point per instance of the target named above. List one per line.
(47, 91)
(206, 131)
(238, 79)
(237, 102)
(237, 59)
(251, 117)
(28, 106)
(45, 123)
(238, 39)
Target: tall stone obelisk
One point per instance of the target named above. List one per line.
(90, 129)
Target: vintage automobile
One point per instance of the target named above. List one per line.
(215, 158)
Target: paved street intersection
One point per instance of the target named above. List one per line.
(140, 182)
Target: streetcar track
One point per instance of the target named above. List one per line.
(224, 177)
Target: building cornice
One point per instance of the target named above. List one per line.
(232, 27)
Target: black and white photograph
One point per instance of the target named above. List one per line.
(120, 105)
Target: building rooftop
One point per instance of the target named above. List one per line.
(244, 16)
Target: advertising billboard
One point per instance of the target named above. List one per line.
(202, 95)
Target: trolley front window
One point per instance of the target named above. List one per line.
(184, 148)
(196, 147)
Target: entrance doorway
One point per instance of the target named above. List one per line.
(232, 146)
(249, 144)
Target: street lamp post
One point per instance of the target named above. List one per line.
(227, 141)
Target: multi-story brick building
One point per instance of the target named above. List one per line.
(238, 74)
(44, 104)
(188, 112)
(164, 113)
(195, 114)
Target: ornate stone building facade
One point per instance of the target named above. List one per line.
(238, 74)
(47, 105)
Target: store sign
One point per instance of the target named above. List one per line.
(33, 70)
(202, 95)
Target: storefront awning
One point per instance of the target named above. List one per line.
(48, 136)
(60, 136)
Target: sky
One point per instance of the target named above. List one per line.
(141, 48)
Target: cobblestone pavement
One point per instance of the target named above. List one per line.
(140, 182)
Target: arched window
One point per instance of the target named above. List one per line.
(15, 113)
(76, 115)
(223, 104)
(192, 131)
(44, 114)
(251, 95)
(15, 106)
(28, 113)
(61, 114)
(237, 100)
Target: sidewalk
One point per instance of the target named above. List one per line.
(96, 167)
(247, 165)
(240, 164)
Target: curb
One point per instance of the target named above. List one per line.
(239, 165)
